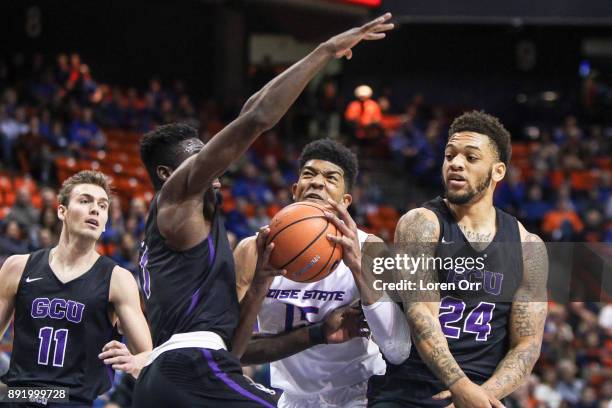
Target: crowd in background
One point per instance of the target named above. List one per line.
(558, 185)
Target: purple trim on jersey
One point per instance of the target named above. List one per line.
(231, 383)
(211, 250)
(111, 374)
(195, 298)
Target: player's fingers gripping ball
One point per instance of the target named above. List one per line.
(299, 232)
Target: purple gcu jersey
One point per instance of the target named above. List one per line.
(474, 322)
(192, 290)
(60, 328)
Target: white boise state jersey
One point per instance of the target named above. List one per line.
(325, 367)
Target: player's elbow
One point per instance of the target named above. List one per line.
(396, 353)
(259, 120)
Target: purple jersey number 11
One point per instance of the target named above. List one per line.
(61, 337)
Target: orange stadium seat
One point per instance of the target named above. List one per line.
(37, 201)
(583, 180)
(5, 184)
(4, 212)
(557, 178)
(27, 182)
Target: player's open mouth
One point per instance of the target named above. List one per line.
(313, 196)
(92, 222)
(455, 180)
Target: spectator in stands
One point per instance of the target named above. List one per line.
(237, 220)
(48, 220)
(547, 391)
(569, 387)
(605, 320)
(364, 114)
(593, 226)
(12, 240)
(570, 130)
(46, 239)
(588, 399)
(126, 255)
(260, 219)
(23, 212)
(115, 226)
(430, 152)
(511, 194)
(62, 70)
(138, 211)
(406, 143)
(84, 132)
(562, 223)
(326, 117)
(534, 208)
(251, 186)
(11, 128)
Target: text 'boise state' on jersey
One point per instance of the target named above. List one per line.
(474, 322)
(324, 367)
(192, 290)
(60, 328)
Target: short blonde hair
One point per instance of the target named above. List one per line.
(83, 177)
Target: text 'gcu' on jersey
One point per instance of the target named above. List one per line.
(474, 323)
(60, 328)
(192, 290)
(324, 367)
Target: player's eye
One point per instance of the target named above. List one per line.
(448, 156)
(472, 158)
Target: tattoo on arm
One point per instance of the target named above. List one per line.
(527, 321)
(416, 236)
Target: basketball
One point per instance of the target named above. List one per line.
(299, 232)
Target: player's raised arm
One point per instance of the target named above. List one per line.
(527, 320)
(261, 112)
(10, 274)
(126, 302)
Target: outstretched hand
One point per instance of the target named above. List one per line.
(342, 43)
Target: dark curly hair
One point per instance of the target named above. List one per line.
(162, 147)
(485, 124)
(333, 152)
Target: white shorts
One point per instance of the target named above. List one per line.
(348, 397)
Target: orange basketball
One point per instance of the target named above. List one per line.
(299, 232)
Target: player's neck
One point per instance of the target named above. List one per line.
(73, 250)
(476, 215)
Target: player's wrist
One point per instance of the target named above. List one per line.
(327, 48)
(459, 384)
(316, 334)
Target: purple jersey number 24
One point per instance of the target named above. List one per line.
(478, 321)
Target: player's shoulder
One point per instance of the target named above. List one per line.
(12, 270)
(122, 282)
(120, 273)
(15, 263)
(246, 245)
(419, 224)
(527, 236)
